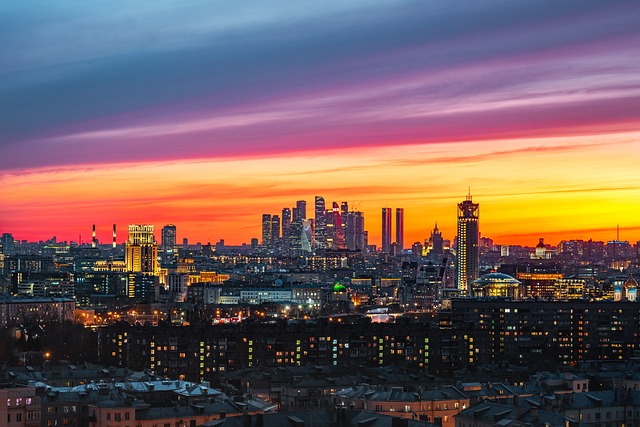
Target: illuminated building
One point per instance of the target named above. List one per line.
(266, 230)
(386, 230)
(354, 232)
(286, 223)
(570, 288)
(8, 244)
(496, 285)
(143, 286)
(141, 250)
(168, 243)
(540, 251)
(552, 332)
(538, 284)
(400, 228)
(467, 253)
(338, 231)
(300, 211)
(320, 223)
(344, 211)
(436, 244)
(627, 291)
(340, 342)
(15, 310)
(275, 229)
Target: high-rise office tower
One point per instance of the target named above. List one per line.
(113, 244)
(141, 250)
(354, 232)
(344, 211)
(320, 223)
(338, 231)
(168, 243)
(8, 244)
(386, 230)
(286, 223)
(300, 214)
(266, 229)
(400, 228)
(467, 252)
(94, 240)
(275, 229)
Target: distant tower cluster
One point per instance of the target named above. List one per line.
(467, 252)
(333, 229)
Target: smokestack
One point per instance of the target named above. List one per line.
(114, 236)
(93, 237)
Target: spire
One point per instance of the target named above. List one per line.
(469, 194)
(436, 229)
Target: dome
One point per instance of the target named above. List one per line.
(339, 287)
(496, 285)
(631, 283)
(495, 278)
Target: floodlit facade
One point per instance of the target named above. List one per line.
(141, 250)
(467, 252)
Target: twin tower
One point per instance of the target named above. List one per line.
(386, 230)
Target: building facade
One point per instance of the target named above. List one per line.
(467, 250)
(386, 230)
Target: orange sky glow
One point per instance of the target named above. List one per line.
(557, 188)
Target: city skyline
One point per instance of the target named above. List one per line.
(207, 115)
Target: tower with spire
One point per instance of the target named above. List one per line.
(436, 243)
(467, 249)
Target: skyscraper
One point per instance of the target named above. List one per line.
(386, 230)
(168, 243)
(467, 253)
(400, 228)
(141, 250)
(286, 223)
(338, 231)
(266, 230)
(354, 232)
(275, 229)
(300, 213)
(344, 211)
(8, 244)
(320, 223)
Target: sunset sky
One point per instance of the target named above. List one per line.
(207, 114)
